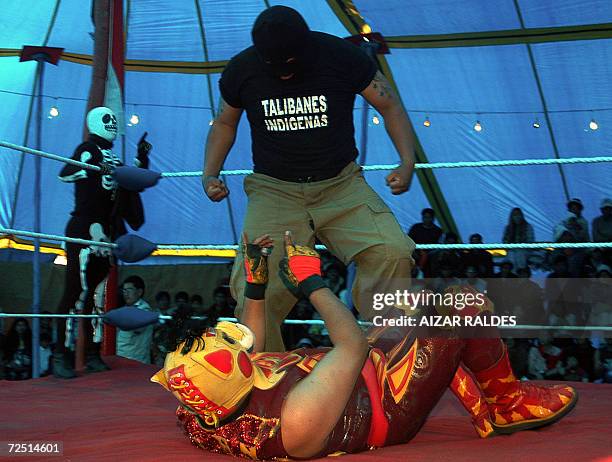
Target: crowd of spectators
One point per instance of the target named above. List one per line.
(573, 287)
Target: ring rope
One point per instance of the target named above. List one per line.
(534, 245)
(318, 322)
(376, 167)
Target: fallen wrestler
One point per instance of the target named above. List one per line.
(361, 394)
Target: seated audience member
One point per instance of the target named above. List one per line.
(446, 279)
(45, 354)
(196, 304)
(544, 361)
(18, 351)
(221, 307)
(478, 258)
(135, 344)
(162, 303)
(573, 371)
(529, 299)
(304, 342)
(449, 258)
(471, 279)
(518, 352)
(518, 231)
(575, 222)
(333, 278)
(49, 326)
(181, 301)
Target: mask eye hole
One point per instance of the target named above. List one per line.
(106, 118)
(228, 339)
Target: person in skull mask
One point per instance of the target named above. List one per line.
(100, 211)
(298, 89)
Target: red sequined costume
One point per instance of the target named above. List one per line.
(399, 385)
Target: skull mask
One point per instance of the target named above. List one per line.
(101, 121)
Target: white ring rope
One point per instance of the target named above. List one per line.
(316, 322)
(433, 165)
(535, 245)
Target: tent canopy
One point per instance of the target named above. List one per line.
(505, 64)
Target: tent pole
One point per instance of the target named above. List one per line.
(40, 72)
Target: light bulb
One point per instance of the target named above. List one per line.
(427, 122)
(593, 125)
(477, 126)
(53, 112)
(375, 120)
(536, 124)
(134, 119)
(211, 122)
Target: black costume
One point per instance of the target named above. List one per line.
(98, 199)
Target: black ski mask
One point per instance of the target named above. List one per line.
(280, 34)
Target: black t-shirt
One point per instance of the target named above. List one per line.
(302, 126)
(422, 235)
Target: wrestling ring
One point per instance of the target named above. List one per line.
(128, 418)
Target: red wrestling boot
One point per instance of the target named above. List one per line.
(466, 388)
(516, 405)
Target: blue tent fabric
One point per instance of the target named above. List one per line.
(453, 87)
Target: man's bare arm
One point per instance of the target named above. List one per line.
(315, 404)
(381, 95)
(220, 140)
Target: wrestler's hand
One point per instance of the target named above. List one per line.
(144, 147)
(399, 179)
(215, 188)
(300, 270)
(106, 169)
(256, 265)
(97, 234)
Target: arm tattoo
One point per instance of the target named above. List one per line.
(221, 108)
(382, 86)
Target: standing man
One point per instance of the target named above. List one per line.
(298, 89)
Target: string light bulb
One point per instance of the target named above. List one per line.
(536, 124)
(375, 120)
(134, 120)
(427, 122)
(478, 126)
(593, 125)
(53, 112)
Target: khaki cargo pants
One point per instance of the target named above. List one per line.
(346, 215)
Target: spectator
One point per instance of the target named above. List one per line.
(304, 342)
(221, 307)
(575, 257)
(447, 258)
(333, 278)
(135, 344)
(518, 353)
(18, 351)
(426, 232)
(49, 326)
(502, 289)
(559, 294)
(518, 231)
(505, 270)
(45, 353)
(601, 310)
(162, 303)
(472, 280)
(478, 258)
(196, 304)
(602, 227)
(575, 222)
(529, 299)
(446, 279)
(545, 360)
(181, 301)
(573, 371)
